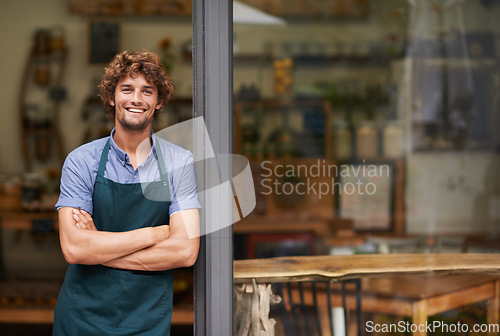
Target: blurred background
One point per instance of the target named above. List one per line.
(405, 92)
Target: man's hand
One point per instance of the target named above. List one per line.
(180, 250)
(84, 221)
(78, 241)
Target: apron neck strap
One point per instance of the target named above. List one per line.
(104, 159)
(160, 161)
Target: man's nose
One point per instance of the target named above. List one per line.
(137, 97)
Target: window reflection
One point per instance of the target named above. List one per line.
(408, 84)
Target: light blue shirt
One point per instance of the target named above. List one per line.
(79, 173)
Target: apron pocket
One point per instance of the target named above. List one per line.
(145, 299)
(120, 298)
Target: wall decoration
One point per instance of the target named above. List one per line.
(365, 194)
(103, 41)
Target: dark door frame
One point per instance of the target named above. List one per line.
(212, 99)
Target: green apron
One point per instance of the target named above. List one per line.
(99, 300)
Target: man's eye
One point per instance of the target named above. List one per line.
(148, 91)
(126, 90)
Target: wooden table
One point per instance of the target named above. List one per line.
(335, 267)
(439, 295)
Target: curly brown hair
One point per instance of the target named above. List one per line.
(133, 63)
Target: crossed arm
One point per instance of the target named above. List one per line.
(151, 248)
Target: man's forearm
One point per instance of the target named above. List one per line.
(179, 250)
(169, 254)
(97, 247)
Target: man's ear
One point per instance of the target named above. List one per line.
(111, 102)
(158, 106)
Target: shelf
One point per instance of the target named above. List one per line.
(28, 301)
(475, 63)
(40, 131)
(361, 60)
(34, 301)
(181, 8)
(50, 79)
(252, 58)
(314, 136)
(180, 316)
(313, 10)
(260, 224)
(23, 220)
(320, 60)
(26, 315)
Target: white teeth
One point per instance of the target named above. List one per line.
(136, 110)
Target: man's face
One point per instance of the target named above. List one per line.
(135, 102)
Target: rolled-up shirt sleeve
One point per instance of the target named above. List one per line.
(76, 184)
(184, 187)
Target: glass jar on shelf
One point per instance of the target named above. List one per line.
(41, 42)
(31, 192)
(57, 39)
(342, 141)
(42, 71)
(392, 140)
(367, 140)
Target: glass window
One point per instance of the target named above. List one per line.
(371, 127)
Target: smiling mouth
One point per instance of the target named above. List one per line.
(136, 110)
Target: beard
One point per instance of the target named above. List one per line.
(134, 124)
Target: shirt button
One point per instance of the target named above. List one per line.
(135, 176)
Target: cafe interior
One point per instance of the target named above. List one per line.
(371, 129)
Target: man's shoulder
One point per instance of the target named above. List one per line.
(88, 151)
(173, 150)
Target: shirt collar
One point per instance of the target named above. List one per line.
(123, 156)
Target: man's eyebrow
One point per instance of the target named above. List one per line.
(144, 87)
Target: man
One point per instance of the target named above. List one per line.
(120, 243)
